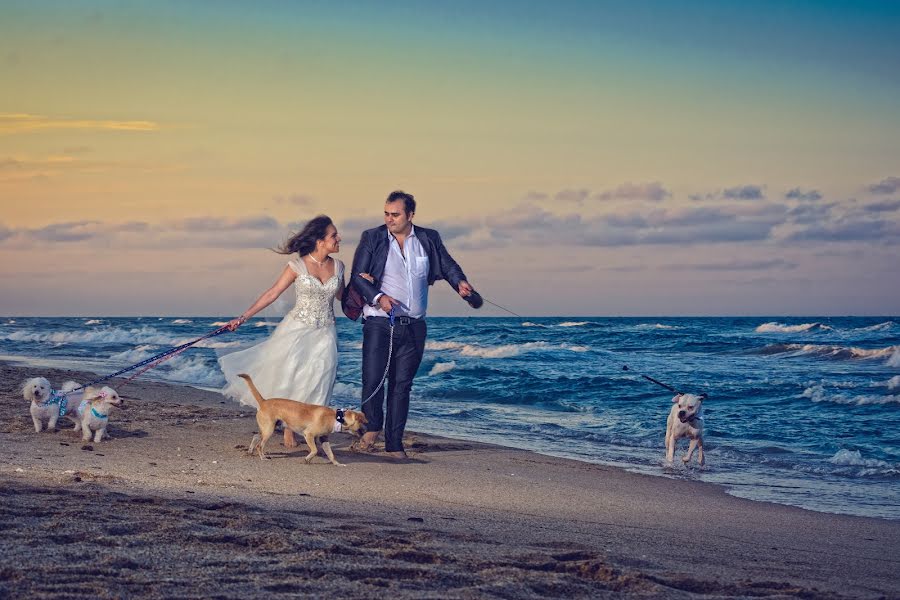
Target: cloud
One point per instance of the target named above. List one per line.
(740, 192)
(878, 207)
(744, 192)
(736, 265)
(653, 191)
(70, 231)
(576, 196)
(850, 230)
(529, 224)
(888, 185)
(12, 123)
(195, 232)
(805, 214)
(799, 194)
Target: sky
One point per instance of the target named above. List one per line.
(578, 158)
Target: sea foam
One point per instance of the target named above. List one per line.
(773, 327)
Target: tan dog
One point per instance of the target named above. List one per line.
(309, 420)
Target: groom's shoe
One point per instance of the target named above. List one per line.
(398, 455)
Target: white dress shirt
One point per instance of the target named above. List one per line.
(405, 278)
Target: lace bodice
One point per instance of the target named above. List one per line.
(315, 300)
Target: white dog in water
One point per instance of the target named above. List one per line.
(46, 403)
(685, 420)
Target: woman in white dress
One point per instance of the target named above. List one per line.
(299, 360)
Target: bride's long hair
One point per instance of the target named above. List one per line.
(305, 240)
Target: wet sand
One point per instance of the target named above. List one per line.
(172, 507)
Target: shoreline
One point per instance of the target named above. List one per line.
(467, 518)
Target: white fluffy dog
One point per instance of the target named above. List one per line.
(93, 412)
(46, 403)
(685, 420)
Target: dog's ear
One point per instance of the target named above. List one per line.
(28, 389)
(677, 397)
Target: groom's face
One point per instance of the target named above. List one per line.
(395, 217)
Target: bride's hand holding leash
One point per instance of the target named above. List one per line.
(235, 323)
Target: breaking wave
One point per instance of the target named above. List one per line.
(773, 327)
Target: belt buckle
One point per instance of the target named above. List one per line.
(404, 320)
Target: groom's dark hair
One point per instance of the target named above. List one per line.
(409, 203)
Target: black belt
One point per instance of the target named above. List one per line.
(399, 320)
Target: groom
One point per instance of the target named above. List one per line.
(402, 260)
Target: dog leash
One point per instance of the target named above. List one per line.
(624, 367)
(155, 360)
(388, 365)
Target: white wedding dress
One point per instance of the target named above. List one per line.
(299, 360)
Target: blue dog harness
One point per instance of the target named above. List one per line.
(57, 398)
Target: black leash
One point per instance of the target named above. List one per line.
(624, 367)
(656, 381)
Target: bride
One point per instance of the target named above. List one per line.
(299, 360)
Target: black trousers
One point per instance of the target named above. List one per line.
(409, 346)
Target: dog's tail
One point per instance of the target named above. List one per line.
(253, 390)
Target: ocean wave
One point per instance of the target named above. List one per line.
(108, 335)
(835, 352)
(219, 323)
(135, 355)
(439, 368)
(530, 324)
(894, 360)
(817, 393)
(193, 370)
(773, 327)
(644, 326)
(502, 351)
(867, 466)
(181, 321)
(893, 383)
(573, 324)
(880, 327)
(93, 321)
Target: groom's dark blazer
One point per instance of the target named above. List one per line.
(371, 256)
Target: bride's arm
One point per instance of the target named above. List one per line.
(268, 297)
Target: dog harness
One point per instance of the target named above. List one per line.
(57, 398)
(80, 410)
(339, 420)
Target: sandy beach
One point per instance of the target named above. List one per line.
(172, 507)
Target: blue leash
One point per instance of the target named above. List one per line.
(159, 356)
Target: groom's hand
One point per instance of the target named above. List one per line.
(465, 289)
(387, 303)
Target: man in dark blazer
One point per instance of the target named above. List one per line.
(400, 261)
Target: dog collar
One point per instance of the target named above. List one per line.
(96, 414)
(339, 421)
